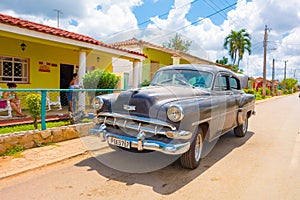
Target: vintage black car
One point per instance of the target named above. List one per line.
(184, 106)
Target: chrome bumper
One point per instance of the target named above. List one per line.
(140, 124)
(141, 143)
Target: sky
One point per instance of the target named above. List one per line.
(204, 22)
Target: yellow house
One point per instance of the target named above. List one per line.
(157, 57)
(33, 55)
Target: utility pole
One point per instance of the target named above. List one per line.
(265, 62)
(273, 77)
(58, 14)
(284, 79)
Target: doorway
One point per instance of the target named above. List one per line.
(126, 80)
(66, 75)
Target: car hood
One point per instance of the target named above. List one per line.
(146, 102)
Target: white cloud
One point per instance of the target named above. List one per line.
(176, 17)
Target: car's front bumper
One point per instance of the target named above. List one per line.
(141, 143)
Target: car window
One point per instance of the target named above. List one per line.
(221, 83)
(234, 83)
(183, 77)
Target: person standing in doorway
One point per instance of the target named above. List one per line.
(72, 85)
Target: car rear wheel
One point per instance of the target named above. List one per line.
(191, 158)
(241, 130)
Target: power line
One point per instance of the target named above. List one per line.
(208, 16)
(147, 21)
(215, 8)
(197, 21)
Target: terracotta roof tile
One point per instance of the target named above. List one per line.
(5, 19)
(138, 42)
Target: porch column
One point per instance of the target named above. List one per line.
(176, 60)
(81, 73)
(136, 74)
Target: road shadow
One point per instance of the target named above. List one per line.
(172, 177)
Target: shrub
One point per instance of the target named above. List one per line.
(98, 79)
(249, 91)
(258, 96)
(268, 91)
(34, 107)
(145, 83)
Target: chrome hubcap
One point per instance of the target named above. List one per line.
(198, 147)
(245, 125)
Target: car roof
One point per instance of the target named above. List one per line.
(200, 67)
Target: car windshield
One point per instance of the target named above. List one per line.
(181, 77)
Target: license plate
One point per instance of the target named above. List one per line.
(119, 142)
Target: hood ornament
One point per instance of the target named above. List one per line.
(128, 107)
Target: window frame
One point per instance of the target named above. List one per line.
(222, 88)
(23, 63)
(238, 86)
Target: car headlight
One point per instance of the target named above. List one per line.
(98, 102)
(175, 113)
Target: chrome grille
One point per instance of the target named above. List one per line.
(136, 123)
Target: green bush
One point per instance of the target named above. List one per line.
(249, 91)
(34, 107)
(268, 91)
(98, 79)
(145, 83)
(258, 96)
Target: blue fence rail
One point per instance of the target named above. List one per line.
(44, 97)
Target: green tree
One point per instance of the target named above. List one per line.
(237, 43)
(234, 68)
(178, 43)
(290, 83)
(223, 61)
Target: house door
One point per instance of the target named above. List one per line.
(66, 75)
(154, 66)
(126, 80)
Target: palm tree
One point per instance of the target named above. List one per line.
(237, 43)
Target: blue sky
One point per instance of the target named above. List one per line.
(199, 9)
(200, 21)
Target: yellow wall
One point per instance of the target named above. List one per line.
(37, 52)
(161, 57)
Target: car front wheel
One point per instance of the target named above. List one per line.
(191, 158)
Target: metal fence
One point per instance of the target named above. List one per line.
(55, 103)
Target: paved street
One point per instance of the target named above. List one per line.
(263, 165)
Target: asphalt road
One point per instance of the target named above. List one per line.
(264, 164)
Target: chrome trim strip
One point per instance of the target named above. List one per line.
(201, 121)
(141, 119)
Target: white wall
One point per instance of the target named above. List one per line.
(121, 66)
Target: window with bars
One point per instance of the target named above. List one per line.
(13, 69)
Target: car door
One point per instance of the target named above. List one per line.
(226, 111)
(218, 107)
(235, 87)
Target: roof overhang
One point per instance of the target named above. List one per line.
(23, 34)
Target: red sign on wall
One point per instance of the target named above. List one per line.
(44, 66)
